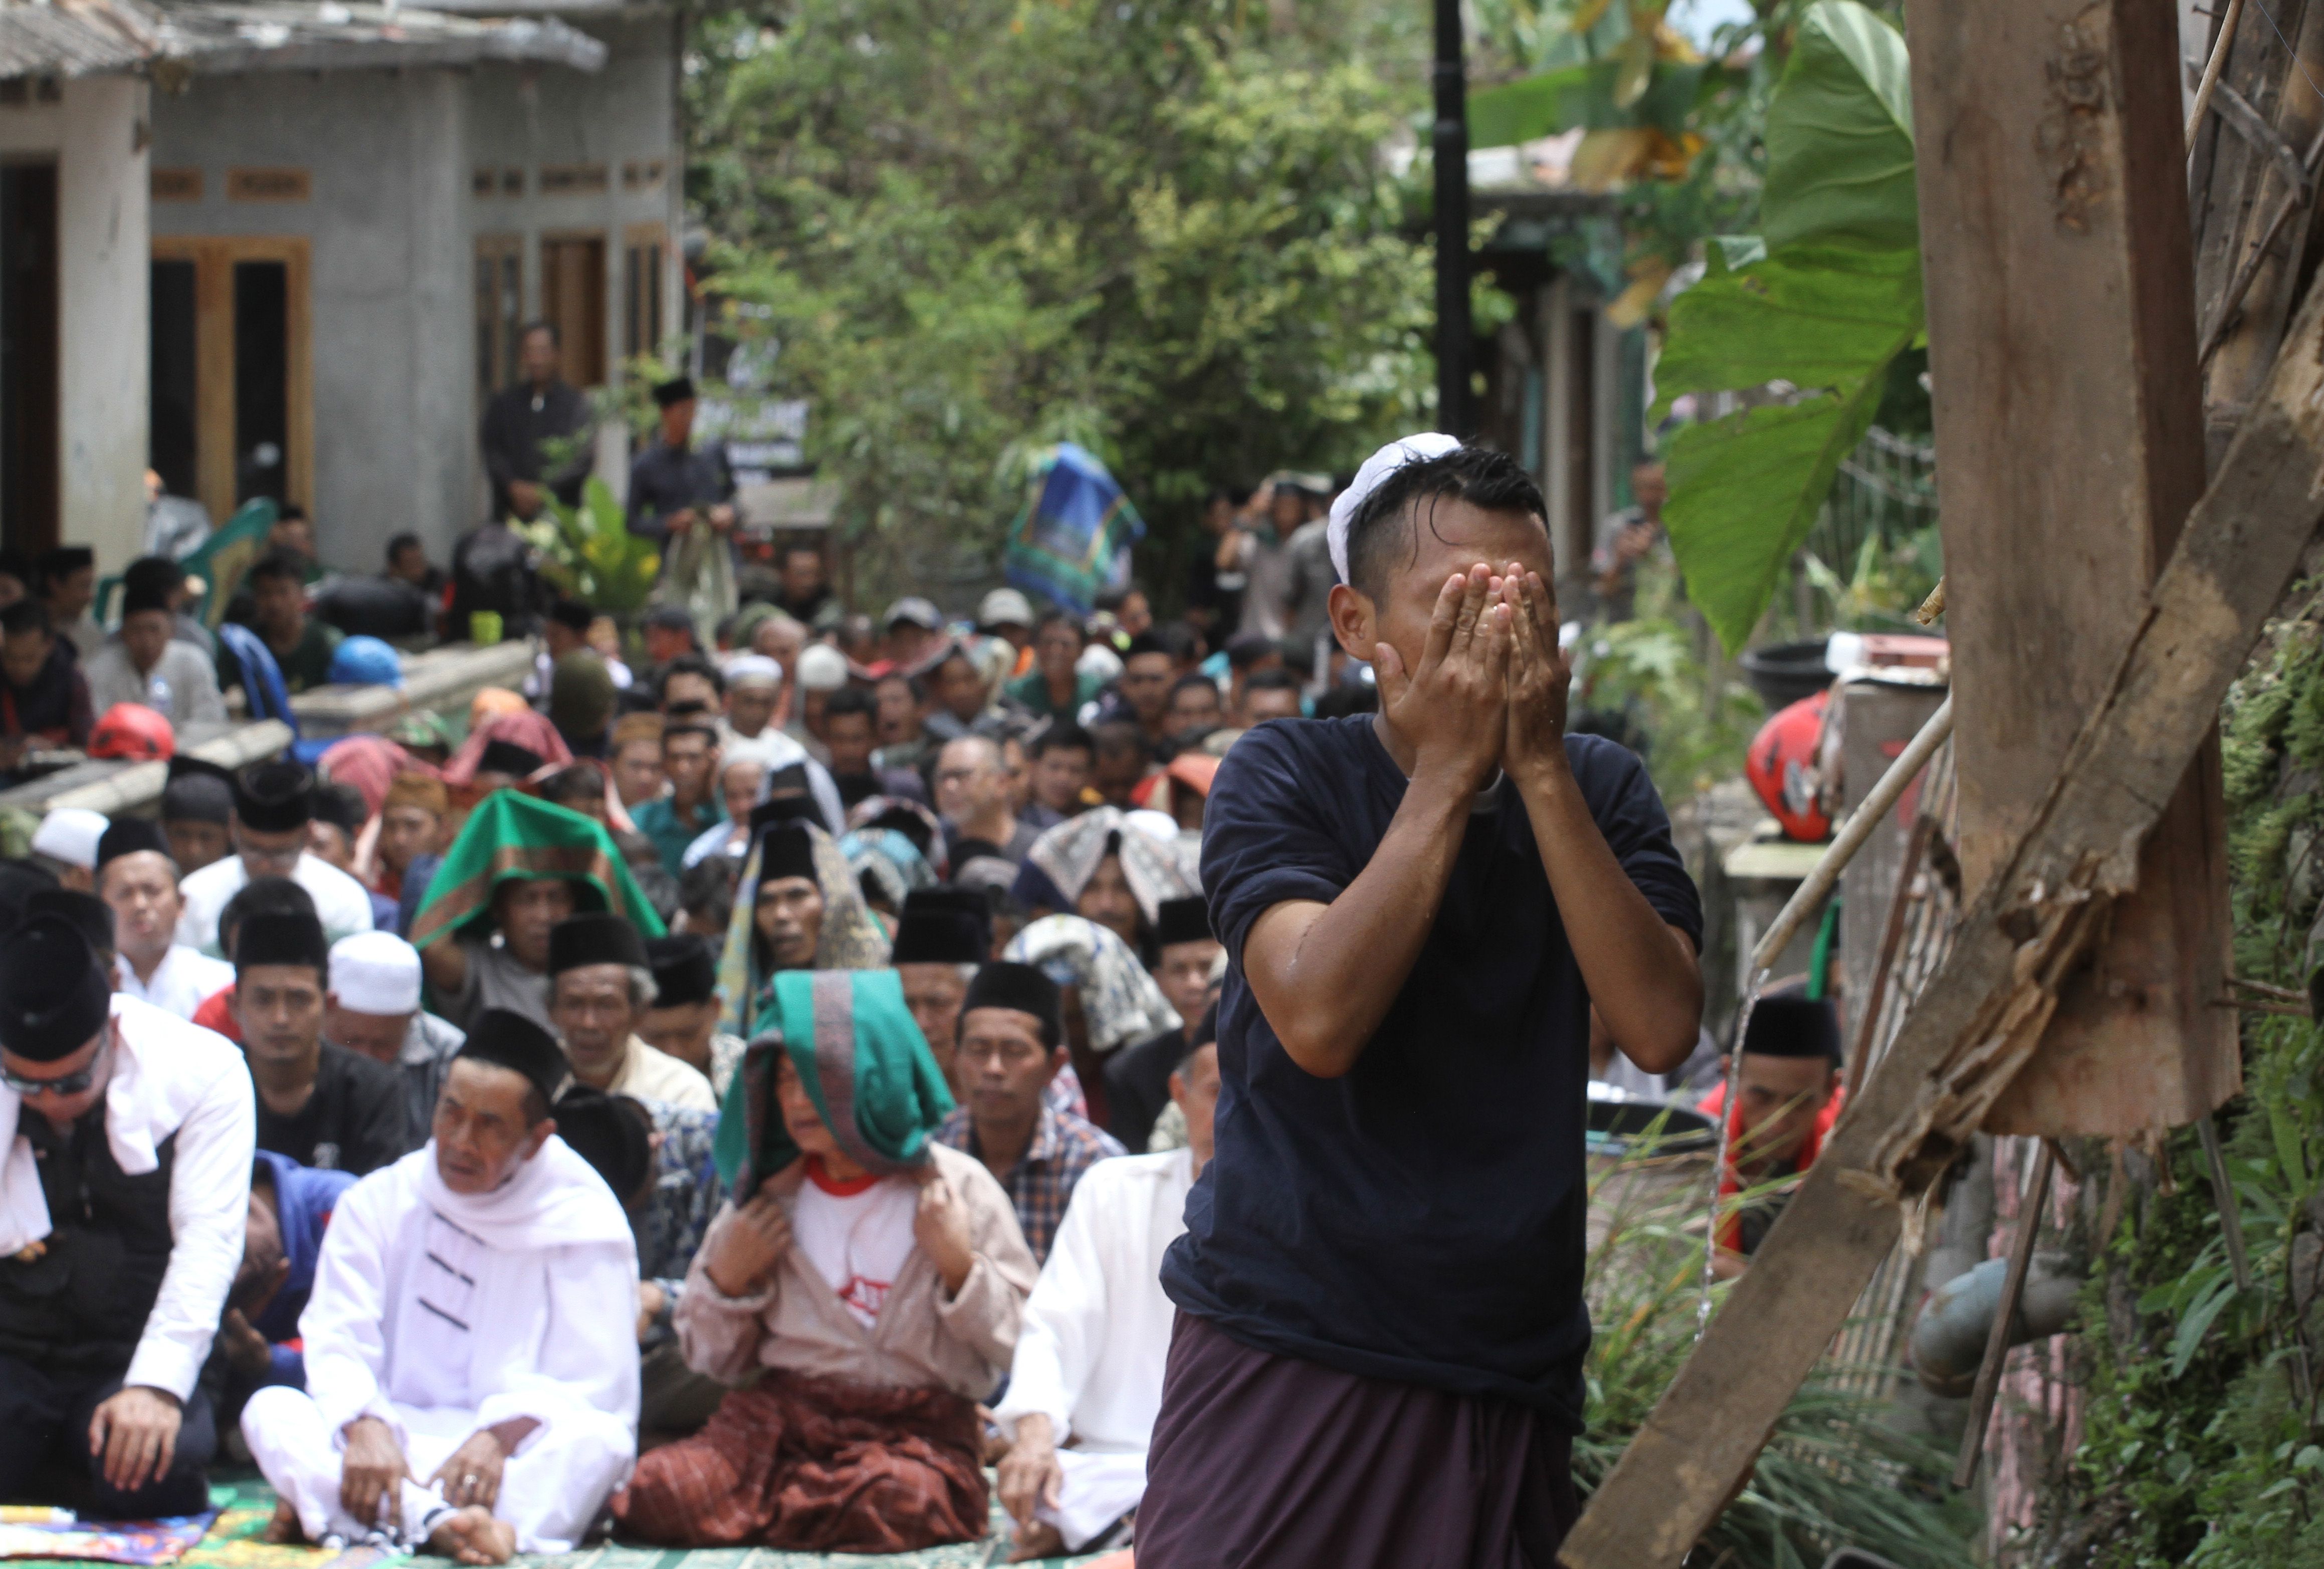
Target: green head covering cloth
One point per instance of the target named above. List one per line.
(511, 835)
(866, 1066)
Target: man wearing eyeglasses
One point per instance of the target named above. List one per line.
(122, 1215)
(273, 803)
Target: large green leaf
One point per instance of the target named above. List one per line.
(1813, 317)
(1582, 96)
(1839, 136)
(1744, 491)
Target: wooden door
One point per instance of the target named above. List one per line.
(232, 387)
(29, 436)
(500, 313)
(572, 299)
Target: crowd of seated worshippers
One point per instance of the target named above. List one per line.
(733, 1101)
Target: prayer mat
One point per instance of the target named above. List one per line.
(244, 1503)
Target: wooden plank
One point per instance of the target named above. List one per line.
(2062, 340)
(1976, 1021)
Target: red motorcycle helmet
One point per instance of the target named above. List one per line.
(134, 731)
(1781, 766)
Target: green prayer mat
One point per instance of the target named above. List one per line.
(246, 1503)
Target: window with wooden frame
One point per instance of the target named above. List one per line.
(500, 312)
(642, 248)
(573, 297)
(232, 414)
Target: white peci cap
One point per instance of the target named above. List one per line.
(1375, 471)
(375, 973)
(822, 669)
(69, 834)
(753, 670)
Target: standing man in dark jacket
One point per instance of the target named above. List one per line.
(674, 487)
(540, 408)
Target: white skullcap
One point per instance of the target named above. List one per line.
(1403, 449)
(822, 668)
(753, 670)
(375, 973)
(69, 834)
(1160, 827)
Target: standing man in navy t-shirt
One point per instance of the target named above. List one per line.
(1377, 1358)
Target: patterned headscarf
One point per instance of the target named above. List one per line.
(897, 813)
(891, 860)
(850, 939)
(1069, 855)
(864, 1064)
(525, 728)
(1119, 1000)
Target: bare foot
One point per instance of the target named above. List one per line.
(284, 1527)
(1037, 1540)
(470, 1536)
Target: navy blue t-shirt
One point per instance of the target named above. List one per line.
(1420, 1218)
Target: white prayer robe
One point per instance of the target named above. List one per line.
(184, 980)
(1097, 1334)
(440, 1313)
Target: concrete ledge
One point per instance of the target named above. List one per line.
(110, 786)
(443, 680)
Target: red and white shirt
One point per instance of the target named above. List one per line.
(857, 1234)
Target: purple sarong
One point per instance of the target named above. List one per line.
(1266, 1461)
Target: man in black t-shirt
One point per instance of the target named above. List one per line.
(319, 1104)
(1378, 1358)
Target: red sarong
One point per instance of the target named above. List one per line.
(815, 1465)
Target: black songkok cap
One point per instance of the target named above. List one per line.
(136, 596)
(1003, 985)
(275, 798)
(276, 939)
(673, 392)
(128, 836)
(943, 926)
(684, 970)
(508, 757)
(54, 996)
(199, 791)
(786, 851)
(91, 916)
(507, 1039)
(1182, 920)
(597, 938)
(605, 1131)
(573, 615)
(19, 881)
(783, 809)
(1786, 1024)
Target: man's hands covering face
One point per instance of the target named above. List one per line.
(1539, 675)
(1453, 707)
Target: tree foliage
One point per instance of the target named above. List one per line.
(969, 231)
(1821, 301)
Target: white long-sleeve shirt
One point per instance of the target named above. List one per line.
(168, 1077)
(182, 981)
(340, 902)
(518, 1303)
(1097, 1328)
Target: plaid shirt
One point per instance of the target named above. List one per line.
(670, 1225)
(1064, 1146)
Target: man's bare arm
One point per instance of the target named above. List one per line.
(1326, 974)
(1642, 973)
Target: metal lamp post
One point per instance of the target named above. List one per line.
(1449, 141)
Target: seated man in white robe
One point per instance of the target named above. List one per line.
(138, 880)
(1087, 1379)
(472, 1360)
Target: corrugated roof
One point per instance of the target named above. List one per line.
(73, 38)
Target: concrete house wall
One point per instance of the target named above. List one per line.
(391, 220)
(93, 130)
